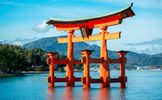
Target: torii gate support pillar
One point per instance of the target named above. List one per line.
(123, 60)
(51, 63)
(86, 72)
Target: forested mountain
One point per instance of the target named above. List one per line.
(134, 59)
(32, 57)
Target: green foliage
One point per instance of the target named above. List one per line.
(11, 59)
(14, 59)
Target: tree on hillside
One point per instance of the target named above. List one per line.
(10, 61)
(36, 59)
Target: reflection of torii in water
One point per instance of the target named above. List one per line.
(86, 27)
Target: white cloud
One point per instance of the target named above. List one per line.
(149, 47)
(41, 27)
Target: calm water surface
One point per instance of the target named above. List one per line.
(141, 85)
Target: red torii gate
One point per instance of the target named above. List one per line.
(86, 27)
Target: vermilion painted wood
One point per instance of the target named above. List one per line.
(86, 64)
(92, 22)
(51, 63)
(98, 37)
(101, 22)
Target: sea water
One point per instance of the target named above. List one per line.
(141, 85)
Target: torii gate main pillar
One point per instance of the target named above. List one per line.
(69, 66)
(104, 67)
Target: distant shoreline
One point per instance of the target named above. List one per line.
(46, 72)
(22, 73)
(10, 75)
(35, 72)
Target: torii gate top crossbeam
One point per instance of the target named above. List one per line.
(95, 22)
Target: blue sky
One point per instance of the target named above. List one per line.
(26, 18)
